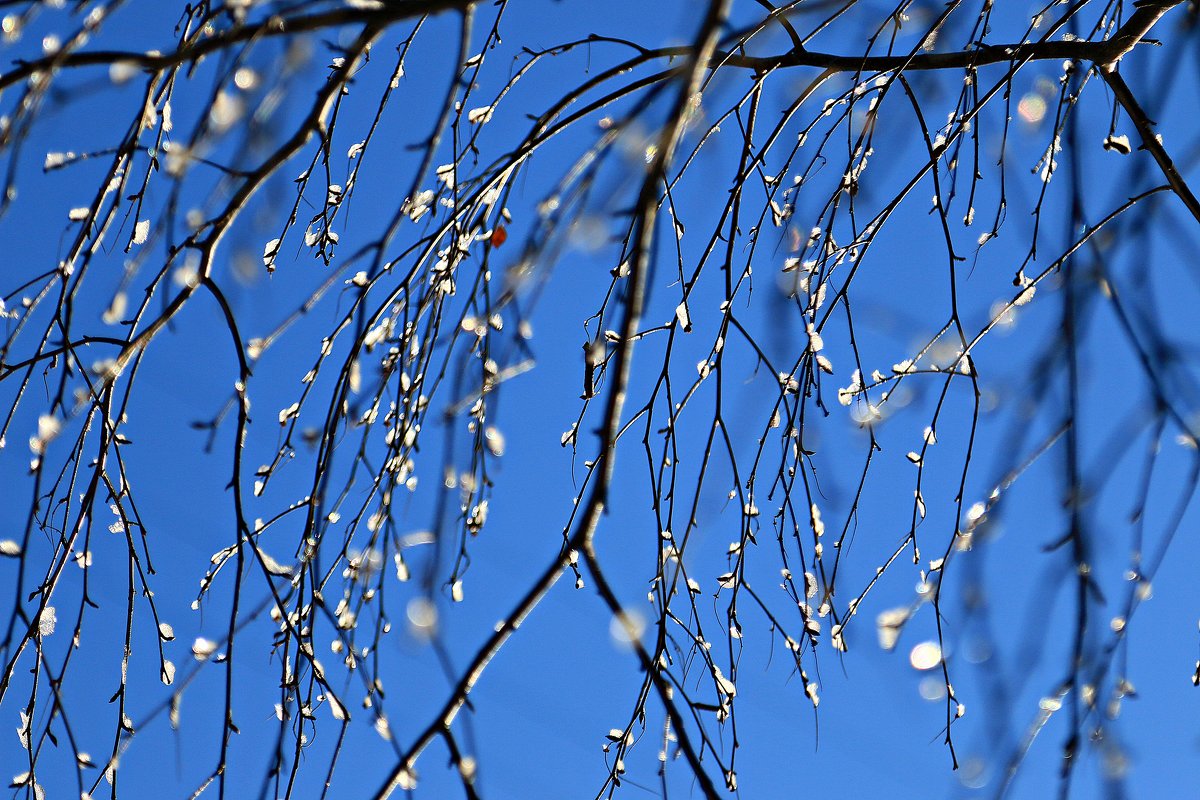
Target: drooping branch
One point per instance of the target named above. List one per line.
(418, 321)
(582, 538)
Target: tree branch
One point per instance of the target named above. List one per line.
(1150, 140)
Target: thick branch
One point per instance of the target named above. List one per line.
(622, 363)
(1105, 52)
(1150, 140)
(1108, 51)
(154, 61)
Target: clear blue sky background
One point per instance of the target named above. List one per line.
(544, 706)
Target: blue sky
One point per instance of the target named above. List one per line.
(540, 714)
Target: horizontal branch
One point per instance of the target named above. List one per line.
(1105, 52)
(270, 27)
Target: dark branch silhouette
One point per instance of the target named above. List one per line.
(334, 226)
